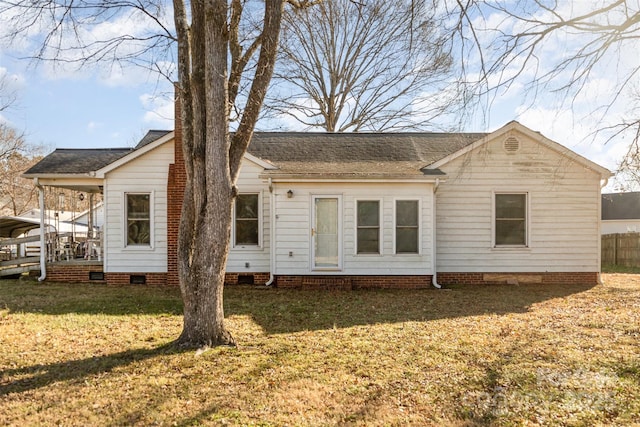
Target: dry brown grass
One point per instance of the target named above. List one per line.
(492, 355)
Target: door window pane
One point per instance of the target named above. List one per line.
(326, 233)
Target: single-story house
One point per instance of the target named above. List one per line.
(354, 210)
(620, 213)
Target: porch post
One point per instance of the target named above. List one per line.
(43, 243)
(90, 219)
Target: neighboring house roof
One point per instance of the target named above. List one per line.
(76, 161)
(616, 206)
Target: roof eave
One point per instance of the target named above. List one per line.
(85, 175)
(339, 177)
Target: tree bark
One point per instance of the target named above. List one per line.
(212, 159)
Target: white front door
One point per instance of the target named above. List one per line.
(326, 233)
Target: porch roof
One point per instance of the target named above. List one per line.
(67, 161)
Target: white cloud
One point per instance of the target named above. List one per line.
(93, 126)
(85, 39)
(11, 81)
(576, 133)
(11, 84)
(160, 112)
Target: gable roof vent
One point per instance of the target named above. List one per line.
(511, 144)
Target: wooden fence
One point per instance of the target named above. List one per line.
(621, 249)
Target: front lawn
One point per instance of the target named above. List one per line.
(471, 355)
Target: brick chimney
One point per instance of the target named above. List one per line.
(175, 194)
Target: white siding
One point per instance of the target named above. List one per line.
(257, 257)
(563, 199)
(293, 228)
(146, 174)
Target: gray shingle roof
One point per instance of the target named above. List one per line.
(82, 161)
(368, 154)
(300, 153)
(77, 161)
(151, 136)
(621, 206)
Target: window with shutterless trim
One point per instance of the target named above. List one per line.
(367, 226)
(138, 218)
(407, 227)
(510, 219)
(247, 220)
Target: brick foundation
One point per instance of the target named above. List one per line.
(246, 278)
(72, 273)
(82, 274)
(151, 279)
(353, 282)
(563, 278)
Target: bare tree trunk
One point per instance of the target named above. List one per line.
(212, 161)
(206, 214)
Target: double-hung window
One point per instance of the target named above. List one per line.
(247, 220)
(511, 219)
(138, 214)
(368, 227)
(407, 226)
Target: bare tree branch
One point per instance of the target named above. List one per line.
(348, 66)
(555, 47)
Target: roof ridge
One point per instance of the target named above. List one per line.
(94, 149)
(366, 134)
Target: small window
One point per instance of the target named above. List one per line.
(138, 219)
(511, 219)
(247, 223)
(368, 227)
(407, 226)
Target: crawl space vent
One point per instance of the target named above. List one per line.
(511, 144)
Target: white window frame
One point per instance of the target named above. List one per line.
(380, 226)
(527, 220)
(395, 207)
(125, 216)
(260, 224)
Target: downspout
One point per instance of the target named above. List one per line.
(604, 184)
(43, 243)
(272, 234)
(434, 277)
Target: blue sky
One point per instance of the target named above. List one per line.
(82, 111)
(96, 107)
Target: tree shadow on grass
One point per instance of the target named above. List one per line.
(38, 376)
(284, 311)
(57, 299)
